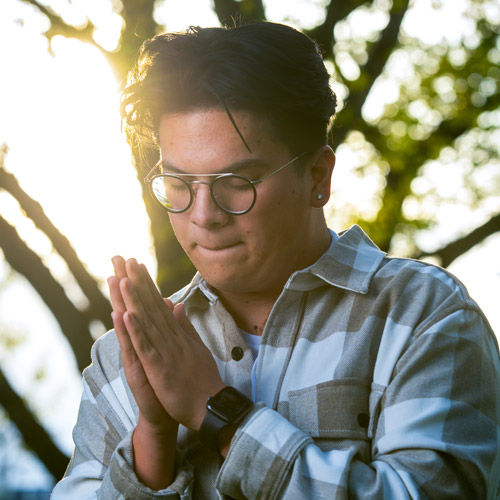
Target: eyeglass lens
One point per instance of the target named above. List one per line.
(232, 193)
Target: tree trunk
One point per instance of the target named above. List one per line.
(34, 435)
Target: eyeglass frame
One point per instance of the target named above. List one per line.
(149, 180)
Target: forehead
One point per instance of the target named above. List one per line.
(208, 134)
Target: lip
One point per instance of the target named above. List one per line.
(217, 248)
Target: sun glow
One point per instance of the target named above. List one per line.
(66, 149)
(60, 120)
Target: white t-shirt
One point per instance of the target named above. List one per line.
(253, 341)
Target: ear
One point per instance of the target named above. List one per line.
(321, 169)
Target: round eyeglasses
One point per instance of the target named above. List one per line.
(233, 193)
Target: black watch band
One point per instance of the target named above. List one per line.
(210, 430)
(228, 406)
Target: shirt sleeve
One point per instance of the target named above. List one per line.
(102, 463)
(435, 434)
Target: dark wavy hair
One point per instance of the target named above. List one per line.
(268, 69)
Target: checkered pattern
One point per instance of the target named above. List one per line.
(376, 378)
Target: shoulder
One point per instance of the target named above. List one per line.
(357, 264)
(423, 294)
(421, 278)
(105, 384)
(106, 350)
(106, 362)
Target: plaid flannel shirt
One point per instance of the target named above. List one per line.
(377, 377)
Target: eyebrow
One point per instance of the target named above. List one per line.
(230, 169)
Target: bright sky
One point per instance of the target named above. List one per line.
(59, 117)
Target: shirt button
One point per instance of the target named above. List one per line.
(236, 353)
(363, 420)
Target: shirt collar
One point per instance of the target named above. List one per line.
(349, 263)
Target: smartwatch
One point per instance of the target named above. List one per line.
(229, 406)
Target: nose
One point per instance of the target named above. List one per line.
(204, 212)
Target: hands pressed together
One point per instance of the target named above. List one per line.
(171, 373)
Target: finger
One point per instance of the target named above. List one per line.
(129, 356)
(169, 303)
(148, 280)
(140, 277)
(155, 293)
(134, 370)
(149, 296)
(144, 349)
(186, 325)
(131, 299)
(146, 331)
(146, 293)
(115, 294)
(119, 266)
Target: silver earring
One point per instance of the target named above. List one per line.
(320, 196)
(219, 213)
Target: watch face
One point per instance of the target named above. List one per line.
(229, 404)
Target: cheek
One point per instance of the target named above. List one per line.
(179, 225)
(268, 229)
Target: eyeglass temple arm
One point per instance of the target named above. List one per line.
(150, 173)
(281, 168)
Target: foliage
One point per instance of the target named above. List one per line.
(415, 119)
(442, 94)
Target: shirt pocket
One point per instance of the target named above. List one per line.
(344, 409)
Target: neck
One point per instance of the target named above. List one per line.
(250, 310)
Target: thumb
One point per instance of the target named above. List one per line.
(169, 303)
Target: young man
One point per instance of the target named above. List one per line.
(374, 378)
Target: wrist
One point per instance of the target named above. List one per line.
(225, 438)
(224, 412)
(158, 431)
(202, 407)
(154, 451)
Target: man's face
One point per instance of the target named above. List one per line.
(251, 253)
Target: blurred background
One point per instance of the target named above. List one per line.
(417, 141)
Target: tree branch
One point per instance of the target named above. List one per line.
(324, 33)
(450, 252)
(34, 435)
(379, 51)
(139, 25)
(99, 306)
(119, 60)
(26, 262)
(378, 54)
(59, 27)
(246, 10)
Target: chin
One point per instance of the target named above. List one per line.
(227, 282)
